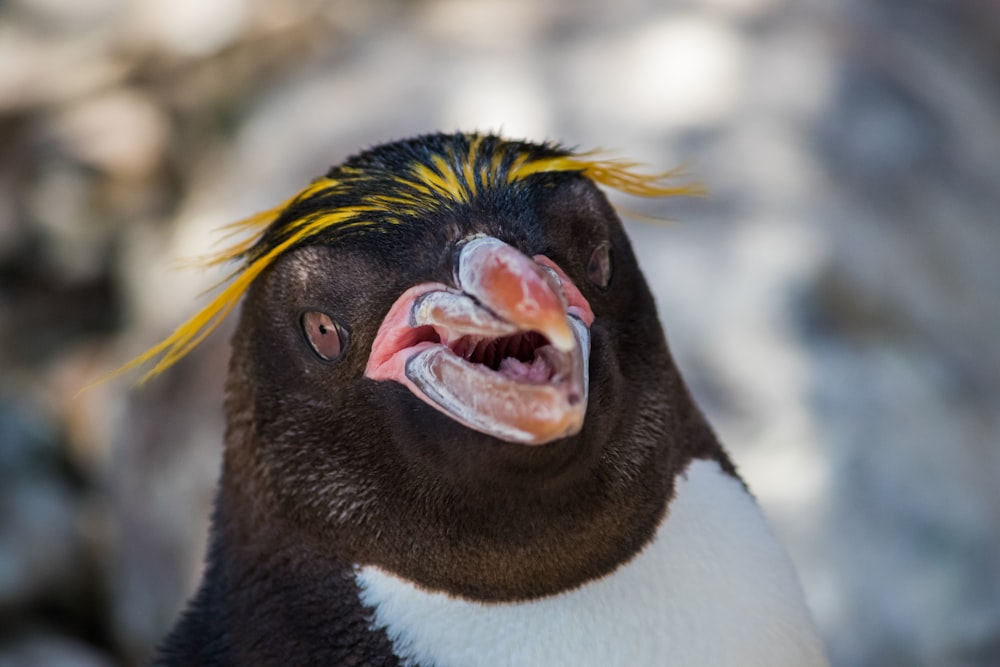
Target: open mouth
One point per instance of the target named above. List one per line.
(526, 357)
(505, 355)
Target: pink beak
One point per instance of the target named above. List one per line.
(507, 355)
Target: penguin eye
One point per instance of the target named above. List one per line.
(327, 338)
(599, 266)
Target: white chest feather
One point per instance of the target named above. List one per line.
(713, 589)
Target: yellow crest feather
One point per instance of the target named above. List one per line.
(445, 177)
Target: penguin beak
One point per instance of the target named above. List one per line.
(505, 354)
(515, 289)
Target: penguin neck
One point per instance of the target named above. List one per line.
(713, 587)
(485, 543)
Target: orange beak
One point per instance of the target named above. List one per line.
(515, 288)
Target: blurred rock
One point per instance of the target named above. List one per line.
(47, 557)
(39, 546)
(162, 478)
(122, 132)
(65, 17)
(188, 27)
(51, 651)
(27, 443)
(32, 69)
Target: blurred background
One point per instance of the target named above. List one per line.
(833, 303)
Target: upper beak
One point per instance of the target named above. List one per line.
(515, 288)
(505, 354)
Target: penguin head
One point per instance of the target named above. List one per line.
(448, 365)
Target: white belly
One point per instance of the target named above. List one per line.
(713, 589)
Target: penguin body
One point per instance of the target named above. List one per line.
(455, 436)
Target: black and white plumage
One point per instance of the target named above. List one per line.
(456, 436)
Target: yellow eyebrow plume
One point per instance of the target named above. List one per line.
(620, 175)
(356, 195)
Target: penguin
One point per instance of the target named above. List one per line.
(456, 436)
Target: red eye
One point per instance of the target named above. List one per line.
(599, 266)
(327, 338)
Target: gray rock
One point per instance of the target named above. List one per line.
(51, 651)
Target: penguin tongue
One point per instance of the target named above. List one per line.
(533, 372)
